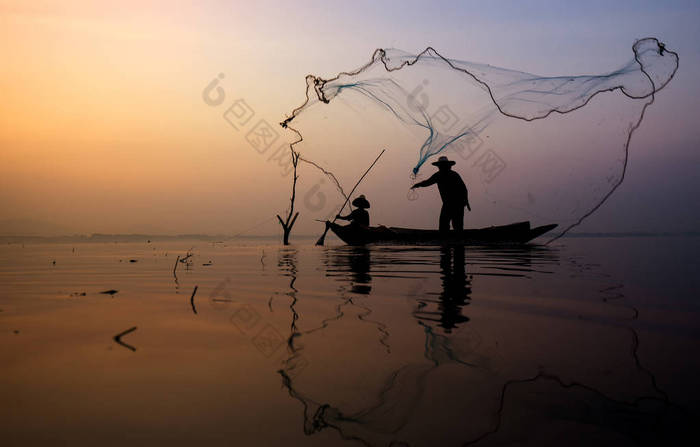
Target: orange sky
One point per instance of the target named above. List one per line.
(103, 127)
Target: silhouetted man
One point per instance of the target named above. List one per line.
(453, 193)
(359, 216)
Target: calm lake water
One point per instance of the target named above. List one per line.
(591, 341)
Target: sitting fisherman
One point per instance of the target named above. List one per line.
(359, 216)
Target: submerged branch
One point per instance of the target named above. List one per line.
(118, 338)
(194, 309)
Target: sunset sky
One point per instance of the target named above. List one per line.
(103, 127)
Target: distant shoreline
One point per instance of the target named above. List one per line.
(633, 234)
(98, 237)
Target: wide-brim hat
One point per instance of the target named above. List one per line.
(444, 161)
(360, 202)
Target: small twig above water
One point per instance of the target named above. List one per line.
(177, 284)
(187, 259)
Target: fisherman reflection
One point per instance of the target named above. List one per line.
(359, 261)
(455, 293)
(351, 264)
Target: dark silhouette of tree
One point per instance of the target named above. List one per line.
(288, 223)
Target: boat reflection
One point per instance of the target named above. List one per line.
(456, 266)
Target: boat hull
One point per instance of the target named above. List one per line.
(516, 233)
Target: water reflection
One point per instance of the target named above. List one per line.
(287, 265)
(403, 382)
(456, 266)
(353, 265)
(373, 345)
(457, 377)
(454, 295)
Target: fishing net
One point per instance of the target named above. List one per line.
(549, 149)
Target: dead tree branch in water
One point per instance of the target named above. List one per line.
(291, 217)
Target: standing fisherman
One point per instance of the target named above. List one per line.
(453, 193)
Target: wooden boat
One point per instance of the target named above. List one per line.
(516, 233)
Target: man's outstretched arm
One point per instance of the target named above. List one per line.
(431, 181)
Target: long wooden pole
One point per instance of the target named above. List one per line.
(322, 239)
